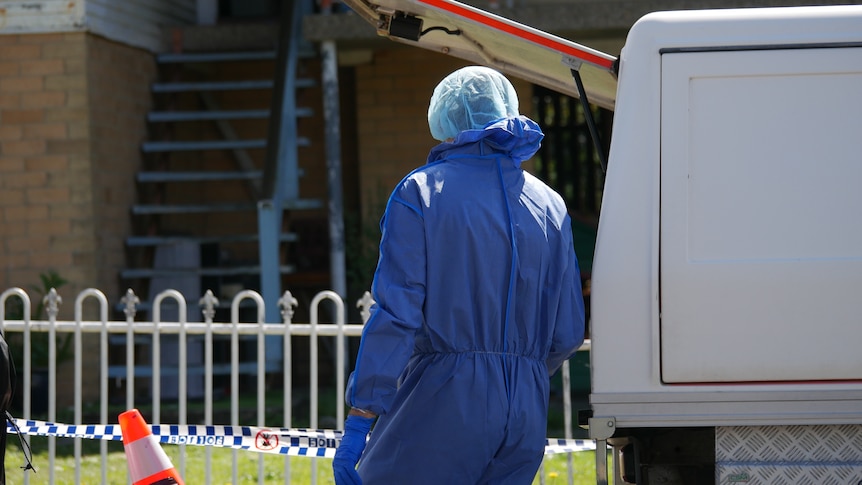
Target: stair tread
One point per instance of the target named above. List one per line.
(190, 145)
(156, 116)
(142, 209)
(157, 240)
(132, 273)
(162, 116)
(200, 176)
(170, 146)
(179, 57)
(178, 87)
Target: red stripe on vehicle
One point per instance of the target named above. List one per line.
(519, 32)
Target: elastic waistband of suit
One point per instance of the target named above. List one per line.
(483, 352)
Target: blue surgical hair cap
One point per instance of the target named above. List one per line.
(469, 99)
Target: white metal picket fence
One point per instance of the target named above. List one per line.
(129, 333)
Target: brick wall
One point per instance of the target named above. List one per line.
(393, 92)
(44, 158)
(72, 115)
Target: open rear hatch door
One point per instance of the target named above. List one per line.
(480, 37)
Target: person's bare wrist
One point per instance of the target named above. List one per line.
(361, 412)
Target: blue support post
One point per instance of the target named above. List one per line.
(269, 228)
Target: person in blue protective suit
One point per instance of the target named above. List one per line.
(478, 303)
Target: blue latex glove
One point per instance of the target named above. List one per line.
(347, 455)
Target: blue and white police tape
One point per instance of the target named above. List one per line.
(283, 441)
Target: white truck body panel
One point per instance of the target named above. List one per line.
(761, 246)
(766, 103)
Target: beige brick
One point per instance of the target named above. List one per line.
(44, 38)
(34, 245)
(9, 165)
(69, 114)
(6, 40)
(10, 101)
(45, 130)
(55, 259)
(21, 84)
(46, 99)
(21, 277)
(64, 211)
(73, 243)
(78, 130)
(67, 146)
(11, 116)
(23, 147)
(76, 99)
(82, 195)
(25, 213)
(58, 195)
(20, 52)
(25, 180)
(75, 66)
(47, 228)
(66, 50)
(37, 67)
(10, 197)
(11, 132)
(47, 163)
(9, 68)
(17, 262)
(66, 82)
(79, 37)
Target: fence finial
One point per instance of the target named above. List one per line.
(131, 300)
(287, 303)
(208, 302)
(52, 303)
(364, 305)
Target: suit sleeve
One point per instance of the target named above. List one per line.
(569, 323)
(399, 293)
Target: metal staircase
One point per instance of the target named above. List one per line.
(221, 170)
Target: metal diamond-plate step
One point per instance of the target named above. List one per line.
(789, 455)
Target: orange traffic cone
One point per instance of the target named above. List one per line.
(148, 463)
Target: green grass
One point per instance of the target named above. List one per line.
(554, 468)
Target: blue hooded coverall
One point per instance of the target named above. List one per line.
(478, 301)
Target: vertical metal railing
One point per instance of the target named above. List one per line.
(287, 303)
(208, 304)
(79, 376)
(313, 359)
(182, 371)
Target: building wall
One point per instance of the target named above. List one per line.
(72, 116)
(393, 91)
(44, 158)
